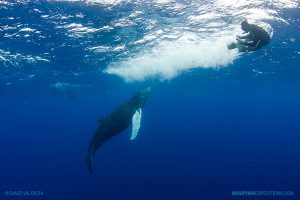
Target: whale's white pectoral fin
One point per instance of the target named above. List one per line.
(136, 123)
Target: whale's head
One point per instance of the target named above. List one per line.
(142, 96)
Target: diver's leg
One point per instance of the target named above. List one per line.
(243, 48)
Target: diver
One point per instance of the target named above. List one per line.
(254, 40)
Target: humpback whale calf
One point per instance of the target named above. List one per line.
(118, 121)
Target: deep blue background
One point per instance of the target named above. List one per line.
(199, 139)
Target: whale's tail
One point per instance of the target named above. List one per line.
(89, 159)
(94, 145)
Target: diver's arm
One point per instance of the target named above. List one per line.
(247, 36)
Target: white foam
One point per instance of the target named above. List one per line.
(27, 30)
(12, 60)
(169, 59)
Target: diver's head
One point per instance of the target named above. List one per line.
(245, 26)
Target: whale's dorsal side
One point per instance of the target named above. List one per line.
(129, 113)
(136, 123)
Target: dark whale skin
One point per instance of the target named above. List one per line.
(115, 123)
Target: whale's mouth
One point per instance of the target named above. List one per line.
(144, 94)
(147, 90)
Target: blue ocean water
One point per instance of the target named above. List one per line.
(216, 121)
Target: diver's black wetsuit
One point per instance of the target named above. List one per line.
(257, 34)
